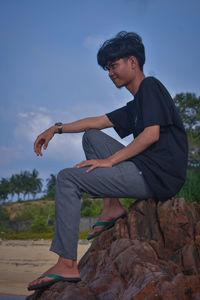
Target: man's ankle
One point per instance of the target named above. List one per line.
(69, 263)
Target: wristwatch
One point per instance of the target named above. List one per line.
(59, 124)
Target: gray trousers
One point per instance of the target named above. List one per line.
(123, 180)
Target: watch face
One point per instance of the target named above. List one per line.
(59, 124)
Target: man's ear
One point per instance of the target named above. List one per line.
(133, 61)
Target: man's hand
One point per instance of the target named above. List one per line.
(94, 163)
(43, 140)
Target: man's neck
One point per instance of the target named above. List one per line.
(135, 83)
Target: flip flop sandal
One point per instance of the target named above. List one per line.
(48, 283)
(107, 225)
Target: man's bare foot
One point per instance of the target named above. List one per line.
(64, 267)
(111, 210)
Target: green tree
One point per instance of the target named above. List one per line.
(25, 183)
(36, 183)
(30, 183)
(191, 189)
(188, 105)
(4, 189)
(15, 186)
(51, 185)
(25, 178)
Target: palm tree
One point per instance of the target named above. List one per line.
(31, 183)
(36, 183)
(4, 189)
(15, 185)
(51, 185)
(25, 183)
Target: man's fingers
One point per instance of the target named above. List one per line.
(45, 145)
(91, 168)
(77, 165)
(46, 142)
(38, 151)
(83, 164)
(42, 141)
(38, 145)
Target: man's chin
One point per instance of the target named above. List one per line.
(119, 86)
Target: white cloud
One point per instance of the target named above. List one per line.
(43, 109)
(31, 124)
(65, 148)
(23, 115)
(93, 42)
(62, 147)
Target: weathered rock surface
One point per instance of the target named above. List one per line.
(153, 254)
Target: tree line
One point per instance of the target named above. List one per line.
(28, 183)
(188, 105)
(24, 185)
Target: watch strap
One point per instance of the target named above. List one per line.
(59, 125)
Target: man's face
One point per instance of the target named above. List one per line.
(121, 72)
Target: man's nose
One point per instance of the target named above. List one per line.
(110, 73)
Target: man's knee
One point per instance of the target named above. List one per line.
(63, 175)
(90, 134)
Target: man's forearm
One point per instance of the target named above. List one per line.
(100, 122)
(44, 138)
(139, 144)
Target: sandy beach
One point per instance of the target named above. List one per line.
(23, 261)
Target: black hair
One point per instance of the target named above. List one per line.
(123, 45)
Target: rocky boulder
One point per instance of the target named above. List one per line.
(153, 254)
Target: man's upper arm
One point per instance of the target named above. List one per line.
(105, 122)
(153, 132)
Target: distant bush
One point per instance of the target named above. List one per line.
(83, 235)
(5, 229)
(126, 202)
(91, 207)
(25, 235)
(50, 195)
(40, 225)
(191, 189)
(34, 235)
(33, 211)
(4, 215)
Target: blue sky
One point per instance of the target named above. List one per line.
(49, 73)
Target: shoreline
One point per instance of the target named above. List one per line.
(23, 261)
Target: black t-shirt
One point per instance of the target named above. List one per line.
(164, 163)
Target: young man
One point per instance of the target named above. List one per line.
(152, 165)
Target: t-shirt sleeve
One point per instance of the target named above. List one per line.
(122, 120)
(156, 104)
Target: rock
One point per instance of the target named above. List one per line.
(153, 254)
